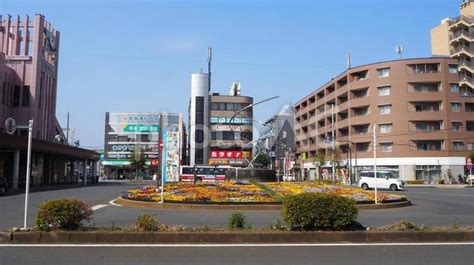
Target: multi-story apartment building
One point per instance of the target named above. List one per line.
(424, 123)
(454, 37)
(29, 56)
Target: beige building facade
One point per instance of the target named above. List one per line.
(423, 122)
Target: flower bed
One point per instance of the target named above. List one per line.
(229, 192)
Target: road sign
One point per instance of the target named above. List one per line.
(10, 125)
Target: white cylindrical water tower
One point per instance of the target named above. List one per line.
(199, 120)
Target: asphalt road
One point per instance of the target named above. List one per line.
(238, 255)
(432, 206)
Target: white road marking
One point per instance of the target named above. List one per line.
(112, 202)
(98, 206)
(448, 194)
(237, 245)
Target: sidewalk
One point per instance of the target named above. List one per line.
(441, 186)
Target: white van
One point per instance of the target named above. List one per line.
(385, 180)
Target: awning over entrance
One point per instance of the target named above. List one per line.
(21, 142)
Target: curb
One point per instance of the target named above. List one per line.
(240, 207)
(232, 237)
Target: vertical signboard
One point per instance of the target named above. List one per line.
(171, 154)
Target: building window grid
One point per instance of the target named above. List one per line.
(456, 106)
(385, 109)
(384, 90)
(383, 72)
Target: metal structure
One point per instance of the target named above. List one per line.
(254, 143)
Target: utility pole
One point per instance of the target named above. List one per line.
(67, 127)
(333, 144)
(374, 134)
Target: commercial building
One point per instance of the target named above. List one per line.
(279, 145)
(29, 54)
(454, 37)
(151, 141)
(220, 126)
(231, 127)
(424, 123)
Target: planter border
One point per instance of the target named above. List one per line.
(235, 206)
(233, 237)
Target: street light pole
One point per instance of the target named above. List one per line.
(333, 145)
(28, 166)
(374, 133)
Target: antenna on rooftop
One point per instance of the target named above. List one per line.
(399, 49)
(209, 58)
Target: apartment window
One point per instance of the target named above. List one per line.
(362, 147)
(359, 75)
(426, 106)
(470, 126)
(455, 106)
(427, 126)
(424, 68)
(361, 129)
(453, 68)
(360, 93)
(385, 128)
(470, 147)
(469, 107)
(385, 109)
(429, 145)
(458, 146)
(466, 92)
(386, 147)
(456, 125)
(383, 72)
(426, 88)
(384, 90)
(454, 88)
(362, 111)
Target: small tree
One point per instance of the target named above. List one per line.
(137, 159)
(262, 159)
(318, 161)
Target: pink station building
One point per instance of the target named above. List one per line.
(29, 63)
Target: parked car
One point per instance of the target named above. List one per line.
(3, 185)
(385, 180)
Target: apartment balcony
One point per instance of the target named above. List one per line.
(459, 36)
(465, 65)
(466, 80)
(461, 21)
(462, 50)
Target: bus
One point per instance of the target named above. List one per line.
(203, 173)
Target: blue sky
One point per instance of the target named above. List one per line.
(138, 55)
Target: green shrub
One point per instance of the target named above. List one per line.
(236, 220)
(62, 214)
(319, 211)
(146, 222)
